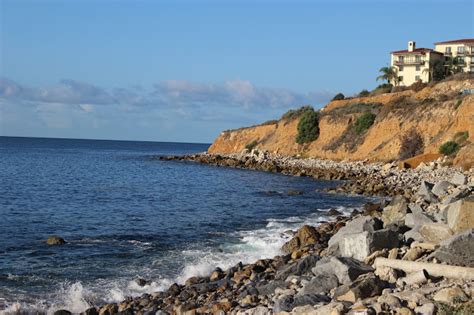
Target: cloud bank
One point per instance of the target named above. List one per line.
(163, 103)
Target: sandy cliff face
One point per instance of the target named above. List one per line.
(437, 113)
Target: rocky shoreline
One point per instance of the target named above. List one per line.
(412, 254)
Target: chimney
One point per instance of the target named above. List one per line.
(411, 46)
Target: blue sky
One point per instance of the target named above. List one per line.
(185, 70)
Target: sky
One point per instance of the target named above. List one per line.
(186, 70)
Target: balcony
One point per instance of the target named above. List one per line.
(409, 62)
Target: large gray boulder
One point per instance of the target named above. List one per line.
(344, 268)
(425, 192)
(440, 189)
(367, 285)
(321, 283)
(460, 215)
(298, 268)
(459, 179)
(416, 220)
(358, 225)
(395, 212)
(457, 250)
(435, 232)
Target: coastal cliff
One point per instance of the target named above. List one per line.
(437, 113)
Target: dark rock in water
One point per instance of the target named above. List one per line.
(174, 289)
(62, 312)
(270, 287)
(298, 268)
(142, 282)
(344, 268)
(293, 192)
(457, 250)
(320, 284)
(288, 302)
(91, 311)
(366, 285)
(333, 212)
(306, 235)
(55, 240)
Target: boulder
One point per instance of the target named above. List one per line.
(425, 192)
(333, 308)
(459, 179)
(270, 287)
(426, 309)
(457, 250)
(366, 285)
(298, 268)
(460, 215)
(395, 212)
(360, 224)
(55, 240)
(361, 245)
(435, 232)
(306, 235)
(287, 303)
(416, 220)
(449, 295)
(320, 284)
(344, 268)
(440, 189)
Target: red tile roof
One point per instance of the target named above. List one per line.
(458, 41)
(415, 51)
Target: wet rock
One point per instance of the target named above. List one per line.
(457, 250)
(320, 284)
(91, 311)
(55, 240)
(460, 215)
(298, 268)
(333, 212)
(366, 285)
(435, 232)
(344, 268)
(395, 212)
(62, 312)
(142, 282)
(306, 235)
(108, 309)
(216, 274)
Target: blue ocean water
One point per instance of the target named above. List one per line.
(126, 215)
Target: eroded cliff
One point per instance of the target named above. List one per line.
(437, 113)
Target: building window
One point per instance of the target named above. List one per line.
(461, 60)
(417, 78)
(448, 51)
(400, 68)
(401, 59)
(417, 58)
(417, 68)
(460, 49)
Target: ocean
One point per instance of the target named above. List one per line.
(126, 215)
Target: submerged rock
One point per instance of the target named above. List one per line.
(55, 240)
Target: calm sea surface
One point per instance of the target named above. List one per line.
(127, 216)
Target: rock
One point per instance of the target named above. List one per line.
(333, 308)
(259, 310)
(450, 295)
(216, 275)
(426, 309)
(395, 212)
(440, 189)
(387, 274)
(270, 287)
(91, 311)
(287, 303)
(62, 312)
(344, 268)
(320, 284)
(425, 192)
(361, 245)
(108, 309)
(55, 240)
(298, 268)
(459, 179)
(306, 235)
(248, 300)
(360, 224)
(416, 220)
(390, 300)
(403, 311)
(367, 285)
(413, 254)
(333, 212)
(142, 282)
(413, 235)
(222, 306)
(457, 250)
(460, 215)
(435, 232)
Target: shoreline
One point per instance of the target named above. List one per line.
(335, 267)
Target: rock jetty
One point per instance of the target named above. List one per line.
(412, 253)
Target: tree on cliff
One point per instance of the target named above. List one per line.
(390, 74)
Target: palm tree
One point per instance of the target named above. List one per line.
(390, 74)
(453, 65)
(436, 70)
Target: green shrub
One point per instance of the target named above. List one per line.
(250, 146)
(364, 122)
(449, 148)
(308, 127)
(364, 93)
(295, 113)
(339, 96)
